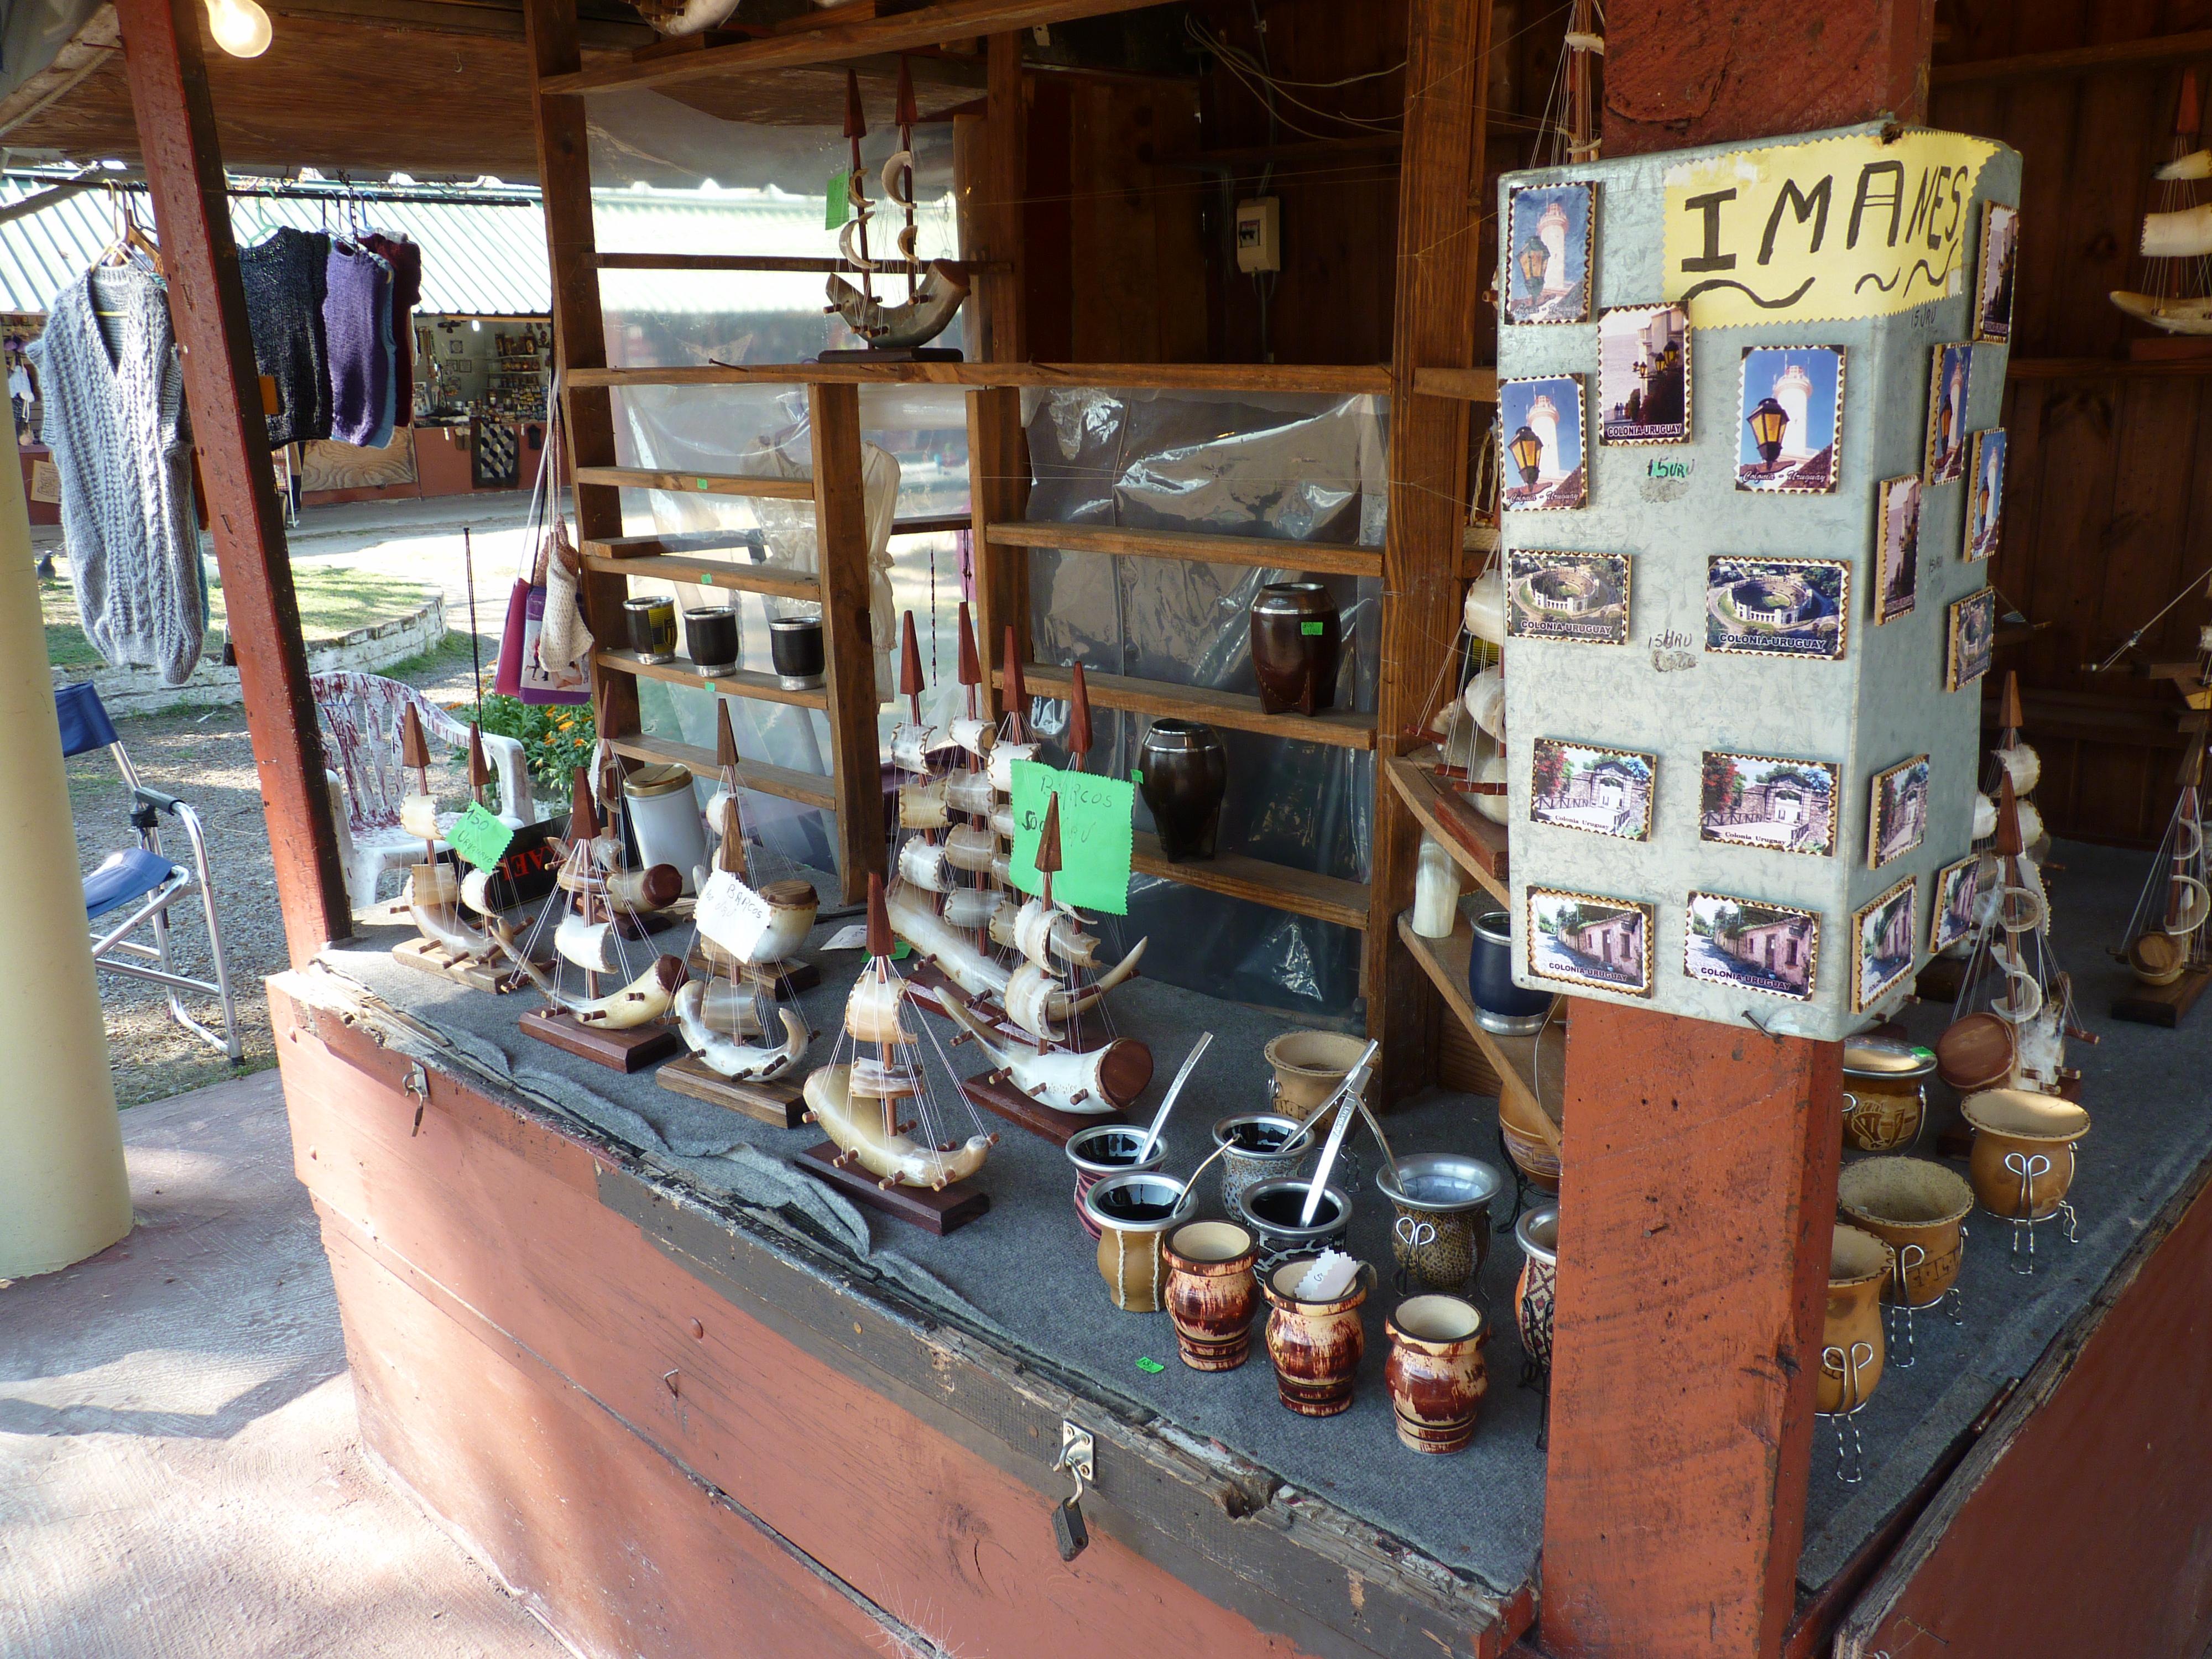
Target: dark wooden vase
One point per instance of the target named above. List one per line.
(1185, 773)
(1296, 637)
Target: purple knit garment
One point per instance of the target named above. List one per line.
(355, 300)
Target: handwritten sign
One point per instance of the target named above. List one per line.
(1848, 226)
(1096, 839)
(479, 837)
(731, 914)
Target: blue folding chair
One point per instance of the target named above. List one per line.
(145, 876)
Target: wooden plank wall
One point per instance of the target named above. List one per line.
(2108, 500)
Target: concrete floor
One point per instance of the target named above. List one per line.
(180, 1471)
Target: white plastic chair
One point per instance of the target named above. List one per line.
(360, 717)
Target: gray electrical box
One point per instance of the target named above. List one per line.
(1259, 235)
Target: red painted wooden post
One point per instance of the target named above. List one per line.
(1697, 1196)
(206, 306)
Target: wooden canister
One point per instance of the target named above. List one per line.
(1315, 1346)
(1212, 1293)
(1436, 1373)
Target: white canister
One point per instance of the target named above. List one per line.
(663, 814)
(1436, 891)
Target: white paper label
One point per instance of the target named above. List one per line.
(731, 914)
(854, 938)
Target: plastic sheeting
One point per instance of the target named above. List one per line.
(1289, 468)
(914, 462)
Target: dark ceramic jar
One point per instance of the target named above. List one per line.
(1296, 637)
(1185, 773)
(651, 626)
(794, 646)
(1501, 1006)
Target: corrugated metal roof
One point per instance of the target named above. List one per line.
(480, 258)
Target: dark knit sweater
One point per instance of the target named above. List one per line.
(405, 259)
(357, 320)
(283, 279)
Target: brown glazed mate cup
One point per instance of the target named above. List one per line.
(1297, 638)
(1315, 1346)
(1916, 1207)
(1212, 1293)
(2022, 1162)
(1851, 1337)
(1435, 1372)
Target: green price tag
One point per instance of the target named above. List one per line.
(1136, 777)
(1151, 1365)
(902, 951)
(479, 837)
(1096, 838)
(839, 207)
(704, 484)
(1313, 628)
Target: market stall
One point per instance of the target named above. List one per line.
(685, 1336)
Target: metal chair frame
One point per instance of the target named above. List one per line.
(147, 805)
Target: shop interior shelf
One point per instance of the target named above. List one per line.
(737, 683)
(1533, 1069)
(807, 788)
(699, 484)
(1263, 552)
(1321, 379)
(1477, 845)
(1343, 728)
(1279, 887)
(614, 556)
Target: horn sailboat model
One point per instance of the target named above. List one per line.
(620, 1017)
(437, 893)
(2175, 244)
(892, 1143)
(746, 1045)
(1024, 980)
(934, 288)
(2168, 943)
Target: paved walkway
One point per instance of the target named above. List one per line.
(180, 1471)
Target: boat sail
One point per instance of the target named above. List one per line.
(748, 936)
(2177, 234)
(874, 1095)
(1020, 977)
(934, 289)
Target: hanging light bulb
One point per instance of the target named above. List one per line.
(241, 27)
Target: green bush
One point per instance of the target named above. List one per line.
(556, 738)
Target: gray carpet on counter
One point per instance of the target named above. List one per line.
(1027, 1274)
(2147, 1091)
(1024, 1275)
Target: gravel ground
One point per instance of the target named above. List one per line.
(203, 757)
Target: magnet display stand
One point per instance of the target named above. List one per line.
(1746, 219)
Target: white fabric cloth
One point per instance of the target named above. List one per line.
(121, 445)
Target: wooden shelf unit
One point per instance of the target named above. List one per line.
(1441, 817)
(1516, 1060)
(707, 572)
(737, 683)
(1259, 552)
(1340, 728)
(1278, 886)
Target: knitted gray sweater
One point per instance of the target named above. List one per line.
(123, 447)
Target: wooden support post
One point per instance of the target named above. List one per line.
(1697, 1196)
(579, 341)
(207, 307)
(1696, 1202)
(1439, 267)
(840, 540)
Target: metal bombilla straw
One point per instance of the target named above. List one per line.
(1347, 1104)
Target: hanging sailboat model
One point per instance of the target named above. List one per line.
(2177, 235)
(2015, 1007)
(609, 993)
(897, 332)
(2168, 946)
(745, 1045)
(894, 1144)
(1022, 979)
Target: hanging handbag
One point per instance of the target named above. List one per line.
(556, 651)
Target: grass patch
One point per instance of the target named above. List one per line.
(334, 600)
